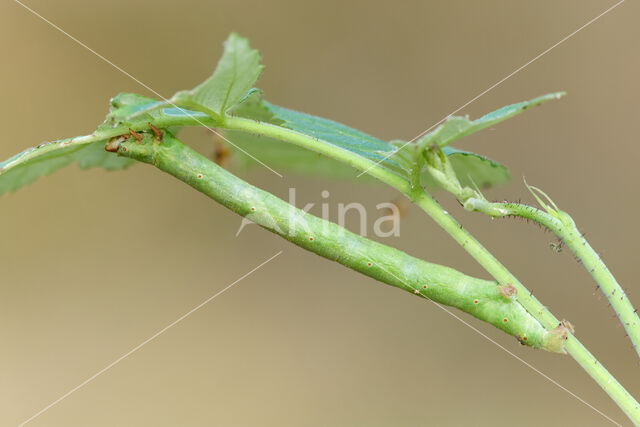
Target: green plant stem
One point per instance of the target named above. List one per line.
(317, 145)
(553, 219)
(584, 358)
(563, 226)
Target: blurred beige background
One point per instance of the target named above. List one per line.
(93, 263)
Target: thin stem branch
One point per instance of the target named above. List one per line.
(553, 219)
(563, 226)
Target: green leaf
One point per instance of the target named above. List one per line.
(232, 81)
(125, 105)
(254, 107)
(88, 151)
(26, 167)
(283, 156)
(473, 168)
(133, 110)
(325, 130)
(469, 166)
(456, 127)
(333, 132)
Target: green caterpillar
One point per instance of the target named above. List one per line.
(483, 299)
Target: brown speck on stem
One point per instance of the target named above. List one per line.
(136, 135)
(156, 132)
(221, 153)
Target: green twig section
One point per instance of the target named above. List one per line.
(563, 226)
(552, 218)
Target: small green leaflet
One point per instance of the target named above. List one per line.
(469, 166)
(124, 105)
(484, 172)
(26, 167)
(232, 81)
(332, 132)
(456, 127)
(88, 151)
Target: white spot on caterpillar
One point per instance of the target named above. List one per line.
(417, 292)
(199, 176)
